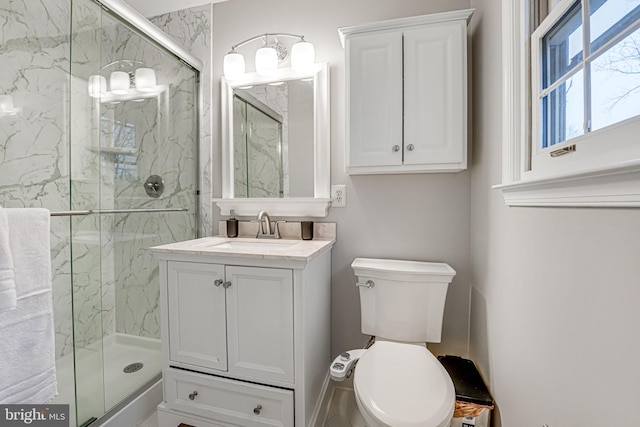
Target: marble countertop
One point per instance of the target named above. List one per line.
(276, 249)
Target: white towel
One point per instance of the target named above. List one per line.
(7, 282)
(27, 349)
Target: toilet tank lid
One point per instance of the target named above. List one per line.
(403, 270)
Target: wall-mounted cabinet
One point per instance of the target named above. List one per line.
(407, 94)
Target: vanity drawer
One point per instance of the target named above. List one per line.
(226, 400)
(170, 418)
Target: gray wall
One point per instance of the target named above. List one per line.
(557, 342)
(417, 217)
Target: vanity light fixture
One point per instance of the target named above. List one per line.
(128, 79)
(270, 55)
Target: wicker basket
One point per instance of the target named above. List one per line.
(466, 409)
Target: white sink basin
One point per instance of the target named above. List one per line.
(254, 245)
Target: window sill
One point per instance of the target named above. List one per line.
(606, 187)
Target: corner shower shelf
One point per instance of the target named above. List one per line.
(118, 150)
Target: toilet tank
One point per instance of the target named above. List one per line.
(406, 299)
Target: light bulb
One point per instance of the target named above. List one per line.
(6, 103)
(97, 86)
(119, 83)
(145, 79)
(303, 56)
(266, 61)
(233, 65)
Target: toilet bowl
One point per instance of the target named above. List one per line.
(397, 381)
(403, 385)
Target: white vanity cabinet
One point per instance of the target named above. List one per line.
(231, 318)
(406, 86)
(245, 335)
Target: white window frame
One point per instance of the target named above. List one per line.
(611, 182)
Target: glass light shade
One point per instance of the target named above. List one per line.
(266, 61)
(145, 79)
(303, 56)
(233, 65)
(119, 83)
(6, 104)
(97, 86)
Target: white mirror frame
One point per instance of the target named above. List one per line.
(317, 206)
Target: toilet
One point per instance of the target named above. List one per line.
(397, 381)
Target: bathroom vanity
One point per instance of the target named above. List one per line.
(245, 331)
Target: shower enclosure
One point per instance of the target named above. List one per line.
(116, 166)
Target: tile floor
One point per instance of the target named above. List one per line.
(343, 411)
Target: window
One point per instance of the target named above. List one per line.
(572, 108)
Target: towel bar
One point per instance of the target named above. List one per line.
(115, 211)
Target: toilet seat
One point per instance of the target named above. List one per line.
(404, 385)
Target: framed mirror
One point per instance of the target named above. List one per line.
(275, 144)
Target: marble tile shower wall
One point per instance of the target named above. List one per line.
(164, 136)
(191, 28)
(91, 188)
(53, 156)
(34, 154)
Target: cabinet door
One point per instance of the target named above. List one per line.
(374, 100)
(197, 322)
(260, 322)
(434, 96)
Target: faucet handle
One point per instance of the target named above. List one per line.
(276, 232)
(260, 231)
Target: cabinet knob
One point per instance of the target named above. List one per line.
(395, 148)
(257, 409)
(218, 282)
(410, 147)
(193, 395)
(226, 284)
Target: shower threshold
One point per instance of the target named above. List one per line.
(103, 389)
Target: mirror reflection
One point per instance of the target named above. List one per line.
(273, 140)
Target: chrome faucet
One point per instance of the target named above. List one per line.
(264, 220)
(264, 226)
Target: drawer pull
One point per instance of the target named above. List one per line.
(257, 409)
(193, 395)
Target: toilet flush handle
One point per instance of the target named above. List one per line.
(368, 284)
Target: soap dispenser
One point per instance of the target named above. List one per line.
(232, 225)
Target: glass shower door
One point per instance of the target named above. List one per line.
(134, 152)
